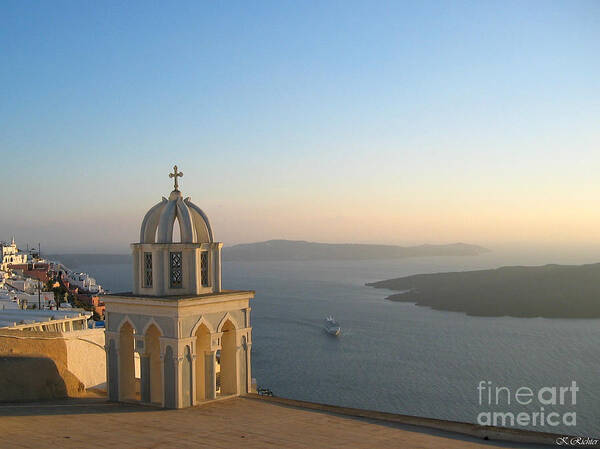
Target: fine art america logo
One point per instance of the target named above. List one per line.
(561, 400)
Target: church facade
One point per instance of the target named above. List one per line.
(178, 338)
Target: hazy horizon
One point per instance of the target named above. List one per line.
(508, 254)
(354, 122)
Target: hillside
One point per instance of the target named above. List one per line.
(551, 291)
(274, 250)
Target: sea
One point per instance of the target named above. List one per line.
(403, 358)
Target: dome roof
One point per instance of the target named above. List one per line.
(157, 226)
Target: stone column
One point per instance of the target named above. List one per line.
(249, 354)
(238, 368)
(185, 368)
(248, 379)
(217, 257)
(194, 389)
(210, 374)
(160, 274)
(112, 366)
(162, 370)
(145, 377)
(193, 273)
(169, 352)
(178, 384)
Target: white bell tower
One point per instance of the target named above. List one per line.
(177, 339)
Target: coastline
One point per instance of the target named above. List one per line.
(548, 291)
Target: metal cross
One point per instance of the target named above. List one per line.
(176, 174)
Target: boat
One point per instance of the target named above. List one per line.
(331, 326)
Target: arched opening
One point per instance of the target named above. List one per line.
(113, 371)
(154, 366)
(229, 378)
(176, 231)
(204, 375)
(127, 381)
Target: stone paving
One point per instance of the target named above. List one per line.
(231, 423)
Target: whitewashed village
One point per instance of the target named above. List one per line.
(31, 283)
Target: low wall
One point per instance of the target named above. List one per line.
(77, 357)
(31, 378)
(473, 430)
(30, 364)
(86, 357)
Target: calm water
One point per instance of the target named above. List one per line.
(398, 357)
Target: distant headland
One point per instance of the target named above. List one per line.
(549, 291)
(278, 250)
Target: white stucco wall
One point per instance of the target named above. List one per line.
(86, 357)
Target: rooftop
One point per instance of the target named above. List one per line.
(223, 292)
(231, 423)
(12, 317)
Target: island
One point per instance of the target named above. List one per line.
(549, 291)
(279, 250)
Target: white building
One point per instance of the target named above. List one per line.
(13, 299)
(84, 282)
(11, 255)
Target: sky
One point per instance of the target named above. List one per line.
(333, 121)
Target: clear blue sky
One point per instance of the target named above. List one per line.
(395, 122)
